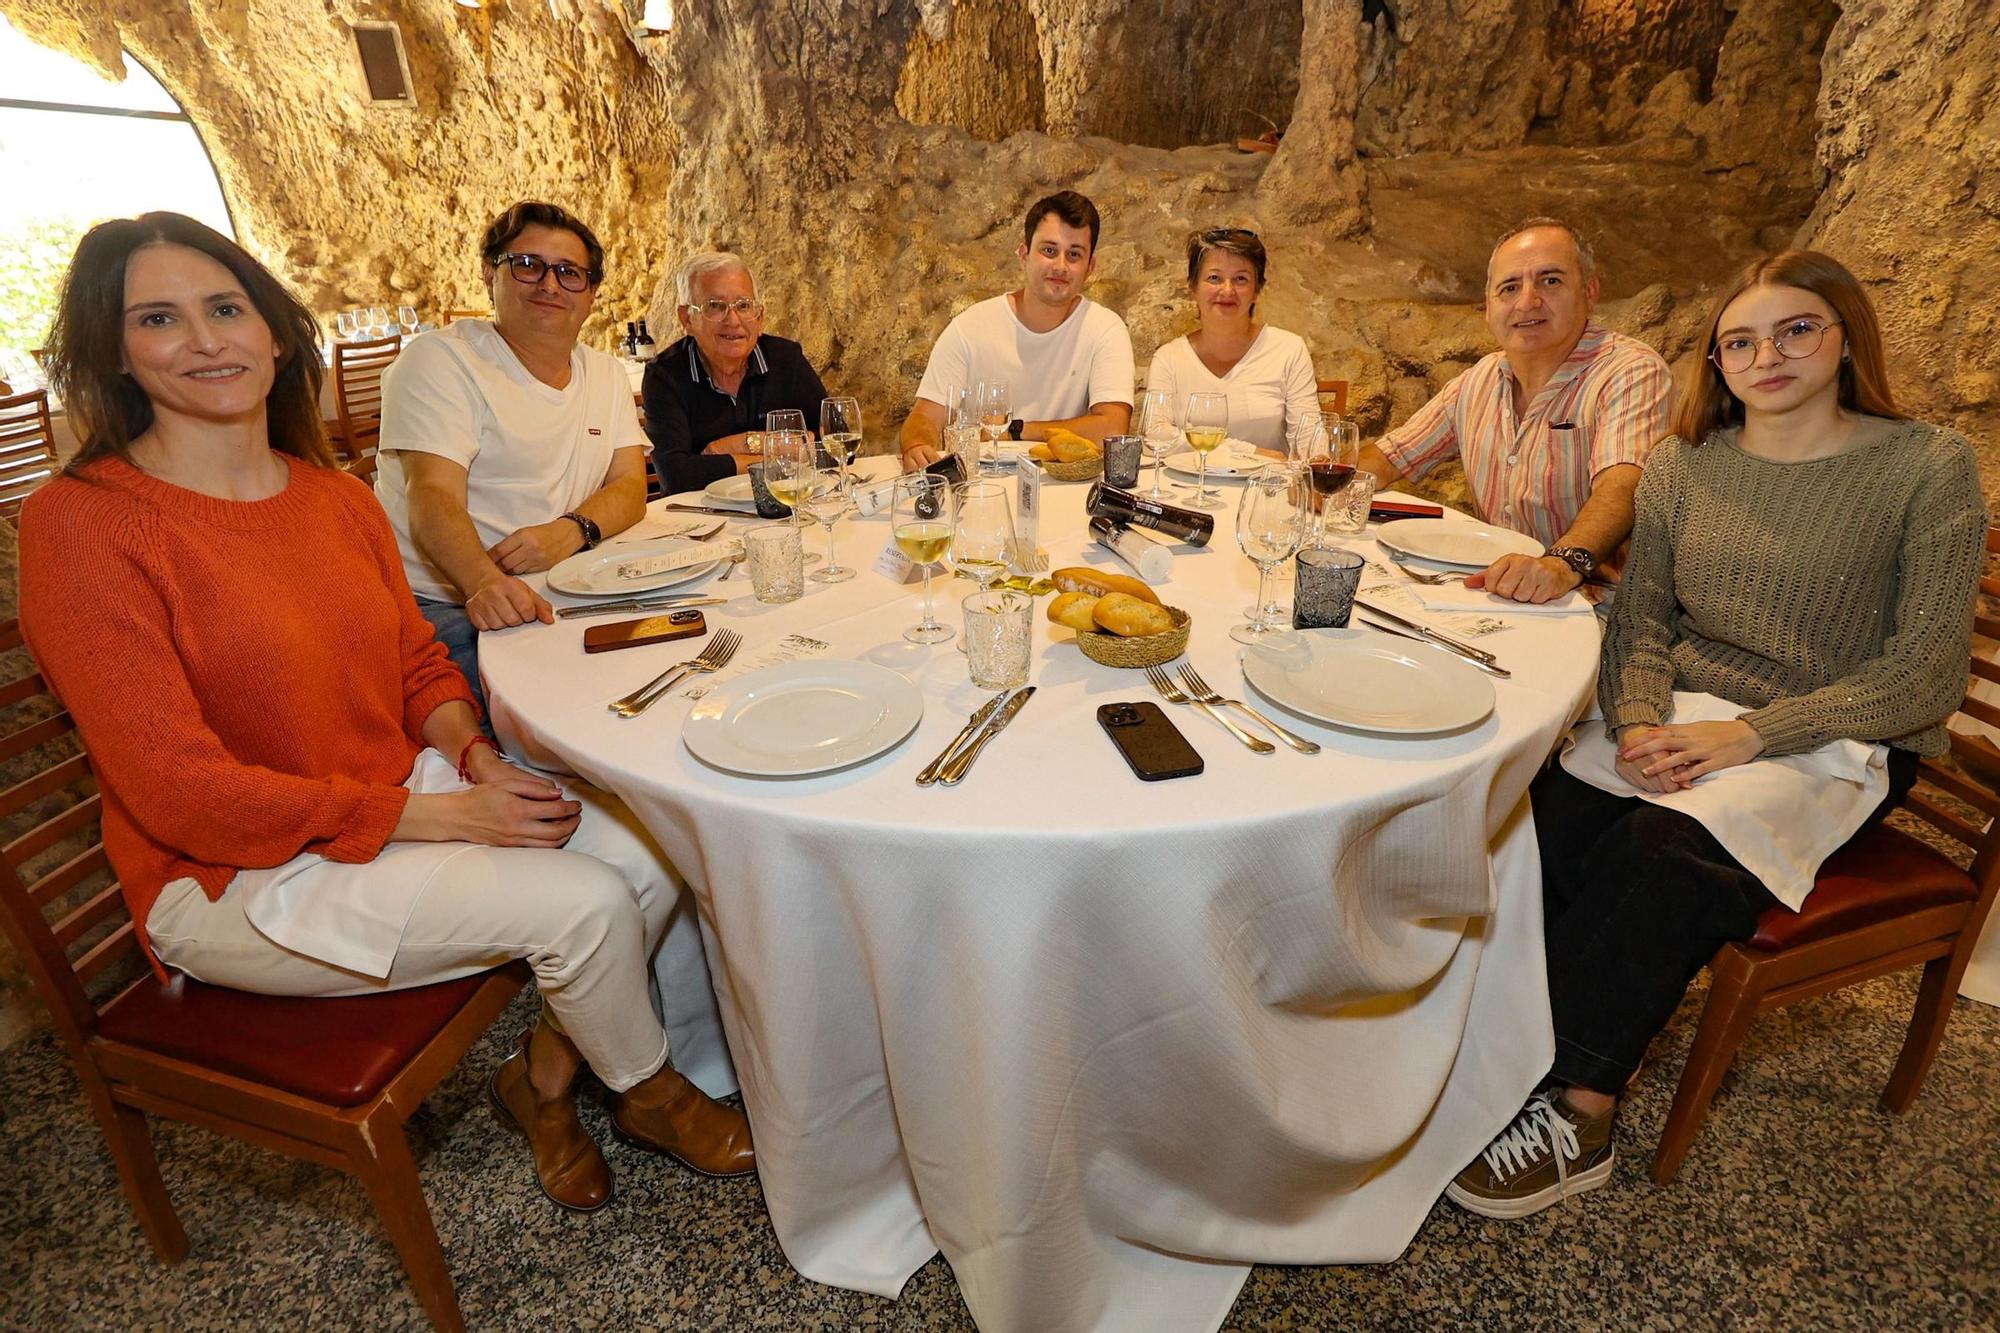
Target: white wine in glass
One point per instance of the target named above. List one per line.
(1206, 425)
(921, 518)
(840, 434)
(788, 468)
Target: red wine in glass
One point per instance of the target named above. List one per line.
(1329, 476)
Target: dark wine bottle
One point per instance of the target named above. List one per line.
(631, 344)
(1188, 525)
(647, 348)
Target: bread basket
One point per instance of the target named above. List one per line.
(1143, 651)
(1081, 470)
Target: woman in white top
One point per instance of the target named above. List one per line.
(1267, 372)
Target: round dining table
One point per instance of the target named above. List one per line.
(1104, 1043)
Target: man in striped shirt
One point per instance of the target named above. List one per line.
(1554, 427)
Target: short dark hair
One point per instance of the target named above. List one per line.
(86, 343)
(1071, 208)
(1239, 241)
(500, 232)
(1585, 257)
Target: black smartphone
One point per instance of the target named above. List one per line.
(1151, 744)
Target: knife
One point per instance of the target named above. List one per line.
(958, 767)
(978, 720)
(639, 604)
(706, 509)
(1443, 640)
(1488, 667)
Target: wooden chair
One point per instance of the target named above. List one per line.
(1885, 902)
(330, 1081)
(364, 467)
(1333, 396)
(27, 448)
(357, 392)
(446, 317)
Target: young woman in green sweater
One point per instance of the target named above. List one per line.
(1801, 552)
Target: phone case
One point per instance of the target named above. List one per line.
(1151, 744)
(653, 629)
(950, 467)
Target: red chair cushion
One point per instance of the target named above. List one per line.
(1883, 873)
(337, 1051)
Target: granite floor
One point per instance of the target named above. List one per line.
(1803, 1206)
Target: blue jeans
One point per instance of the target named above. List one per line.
(461, 640)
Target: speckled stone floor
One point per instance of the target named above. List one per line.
(1802, 1206)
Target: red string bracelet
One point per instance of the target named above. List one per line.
(466, 754)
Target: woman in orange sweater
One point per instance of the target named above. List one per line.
(297, 796)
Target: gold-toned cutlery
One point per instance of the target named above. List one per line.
(1202, 693)
(712, 658)
(1173, 694)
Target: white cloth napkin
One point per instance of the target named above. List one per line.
(656, 525)
(1455, 596)
(1781, 817)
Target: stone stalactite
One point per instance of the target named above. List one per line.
(1315, 175)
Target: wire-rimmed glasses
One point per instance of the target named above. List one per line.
(1735, 353)
(1206, 425)
(921, 521)
(1272, 517)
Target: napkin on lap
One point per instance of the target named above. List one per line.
(1458, 597)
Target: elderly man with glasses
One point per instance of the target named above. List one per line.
(507, 445)
(707, 393)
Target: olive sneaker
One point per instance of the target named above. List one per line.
(1548, 1152)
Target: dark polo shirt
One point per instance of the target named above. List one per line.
(685, 411)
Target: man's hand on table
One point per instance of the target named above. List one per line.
(919, 458)
(503, 601)
(1526, 578)
(531, 550)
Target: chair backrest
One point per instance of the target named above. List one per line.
(27, 448)
(357, 391)
(1333, 396)
(364, 467)
(67, 920)
(448, 316)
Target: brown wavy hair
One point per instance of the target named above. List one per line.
(1706, 404)
(107, 407)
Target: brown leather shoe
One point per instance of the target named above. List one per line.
(567, 1162)
(691, 1127)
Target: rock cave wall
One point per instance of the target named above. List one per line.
(782, 132)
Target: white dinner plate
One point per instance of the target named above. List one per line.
(1234, 458)
(595, 573)
(803, 717)
(731, 491)
(1451, 541)
(1366, 681)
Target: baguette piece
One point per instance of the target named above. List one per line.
(1069, 447)
(1097, 582)
(1074, 610)
(1130, 618)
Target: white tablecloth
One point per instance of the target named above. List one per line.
(1103, 1042)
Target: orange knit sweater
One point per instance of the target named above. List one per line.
(251, 679)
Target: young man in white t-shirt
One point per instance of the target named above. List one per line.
(507, 446)
(1066, 360)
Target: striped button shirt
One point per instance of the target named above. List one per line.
(1607, 403)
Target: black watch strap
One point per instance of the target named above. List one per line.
(1015, 427)
(592, 534)
(1577, 558)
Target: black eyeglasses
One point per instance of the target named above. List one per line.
(1736, 352)
(530, 268)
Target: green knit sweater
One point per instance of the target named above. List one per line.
(1831, 598)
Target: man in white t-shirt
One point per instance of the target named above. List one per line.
(506, 445)
(1066, 361)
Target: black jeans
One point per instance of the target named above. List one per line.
(1635, 900)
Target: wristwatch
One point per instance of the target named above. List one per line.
(1015, 427)
(1578, 559)
(592, 534)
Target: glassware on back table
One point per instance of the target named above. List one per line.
(1271, 520)
(378, 322)
(406, 315)
(347, 324)
(788, 468)
(984, 534)
(1330, 465)
(826, 501)
(996, 411)
(840, 436)
(1156, 423)
(921, 520)
(1206, 425)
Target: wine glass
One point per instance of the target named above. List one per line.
(788, 468)
(840, 434)
(378, 322)
(1330, 463)
(1206, 425)
(1271, 521)
(995, 412)
(826, 501)
(983, 538)
(406, 315)
(921, 520)
(347, 324)
(1156, 423)
(961, 427)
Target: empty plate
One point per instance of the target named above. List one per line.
(803, 717)
(611, 571)
(1367, 681)
(1233, 458)
(1451, 541)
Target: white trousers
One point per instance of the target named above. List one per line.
(587, 917)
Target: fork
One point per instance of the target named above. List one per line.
(711, 658)
(1425, 576)
(1199, 688)
(1173, 695)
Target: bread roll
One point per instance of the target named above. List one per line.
(1041, 453)
(1128, 617)
(1074, 610)
(1069, 447)
(1098, 582)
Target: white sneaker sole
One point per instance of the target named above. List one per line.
(1533, 1203)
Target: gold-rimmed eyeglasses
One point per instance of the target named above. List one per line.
(1736, 352)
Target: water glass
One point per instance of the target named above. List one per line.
(1323, 590)
(827, 503)
(1162, 432)
(1346, 512)
(983, 540)
(777, 560)
(999, 631)
(1272, 518)
(1121, 460)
